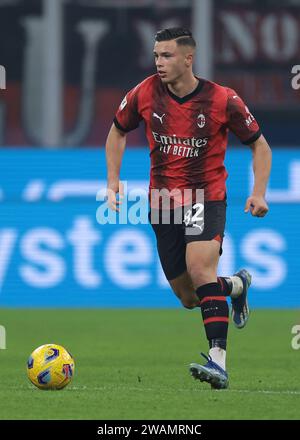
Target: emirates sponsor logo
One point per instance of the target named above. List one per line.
(176, 140)
(179, 146)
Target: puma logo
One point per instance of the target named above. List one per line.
(155, 115)
(201, 227)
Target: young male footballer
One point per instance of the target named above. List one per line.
(187, 119)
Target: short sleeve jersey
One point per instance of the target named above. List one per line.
(187, 136)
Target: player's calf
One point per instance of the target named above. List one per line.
(183, 288)
(189, 301)
(215, 314)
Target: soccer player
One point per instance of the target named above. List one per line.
(187, 119)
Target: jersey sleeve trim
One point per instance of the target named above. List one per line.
(119, 126)
(253, 138)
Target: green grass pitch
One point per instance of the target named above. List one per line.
(133, 364)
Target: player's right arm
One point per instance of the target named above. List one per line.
(127, 118)
(115, 146)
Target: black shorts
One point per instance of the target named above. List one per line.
(172, 238)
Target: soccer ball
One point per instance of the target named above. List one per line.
(50, 367)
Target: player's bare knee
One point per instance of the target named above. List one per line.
(199, 272)
(201, 278)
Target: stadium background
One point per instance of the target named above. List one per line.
(68, 65)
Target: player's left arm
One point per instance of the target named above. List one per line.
(261, 160)
(244, 125)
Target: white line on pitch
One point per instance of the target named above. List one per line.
(116, 388)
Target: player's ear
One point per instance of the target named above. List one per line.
(189, 59)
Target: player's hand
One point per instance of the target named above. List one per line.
(257, 206)
(114, 188)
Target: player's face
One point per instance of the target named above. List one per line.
(172, 61)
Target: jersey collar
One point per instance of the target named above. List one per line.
(189, 96)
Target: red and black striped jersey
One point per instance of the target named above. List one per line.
(187, 136)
